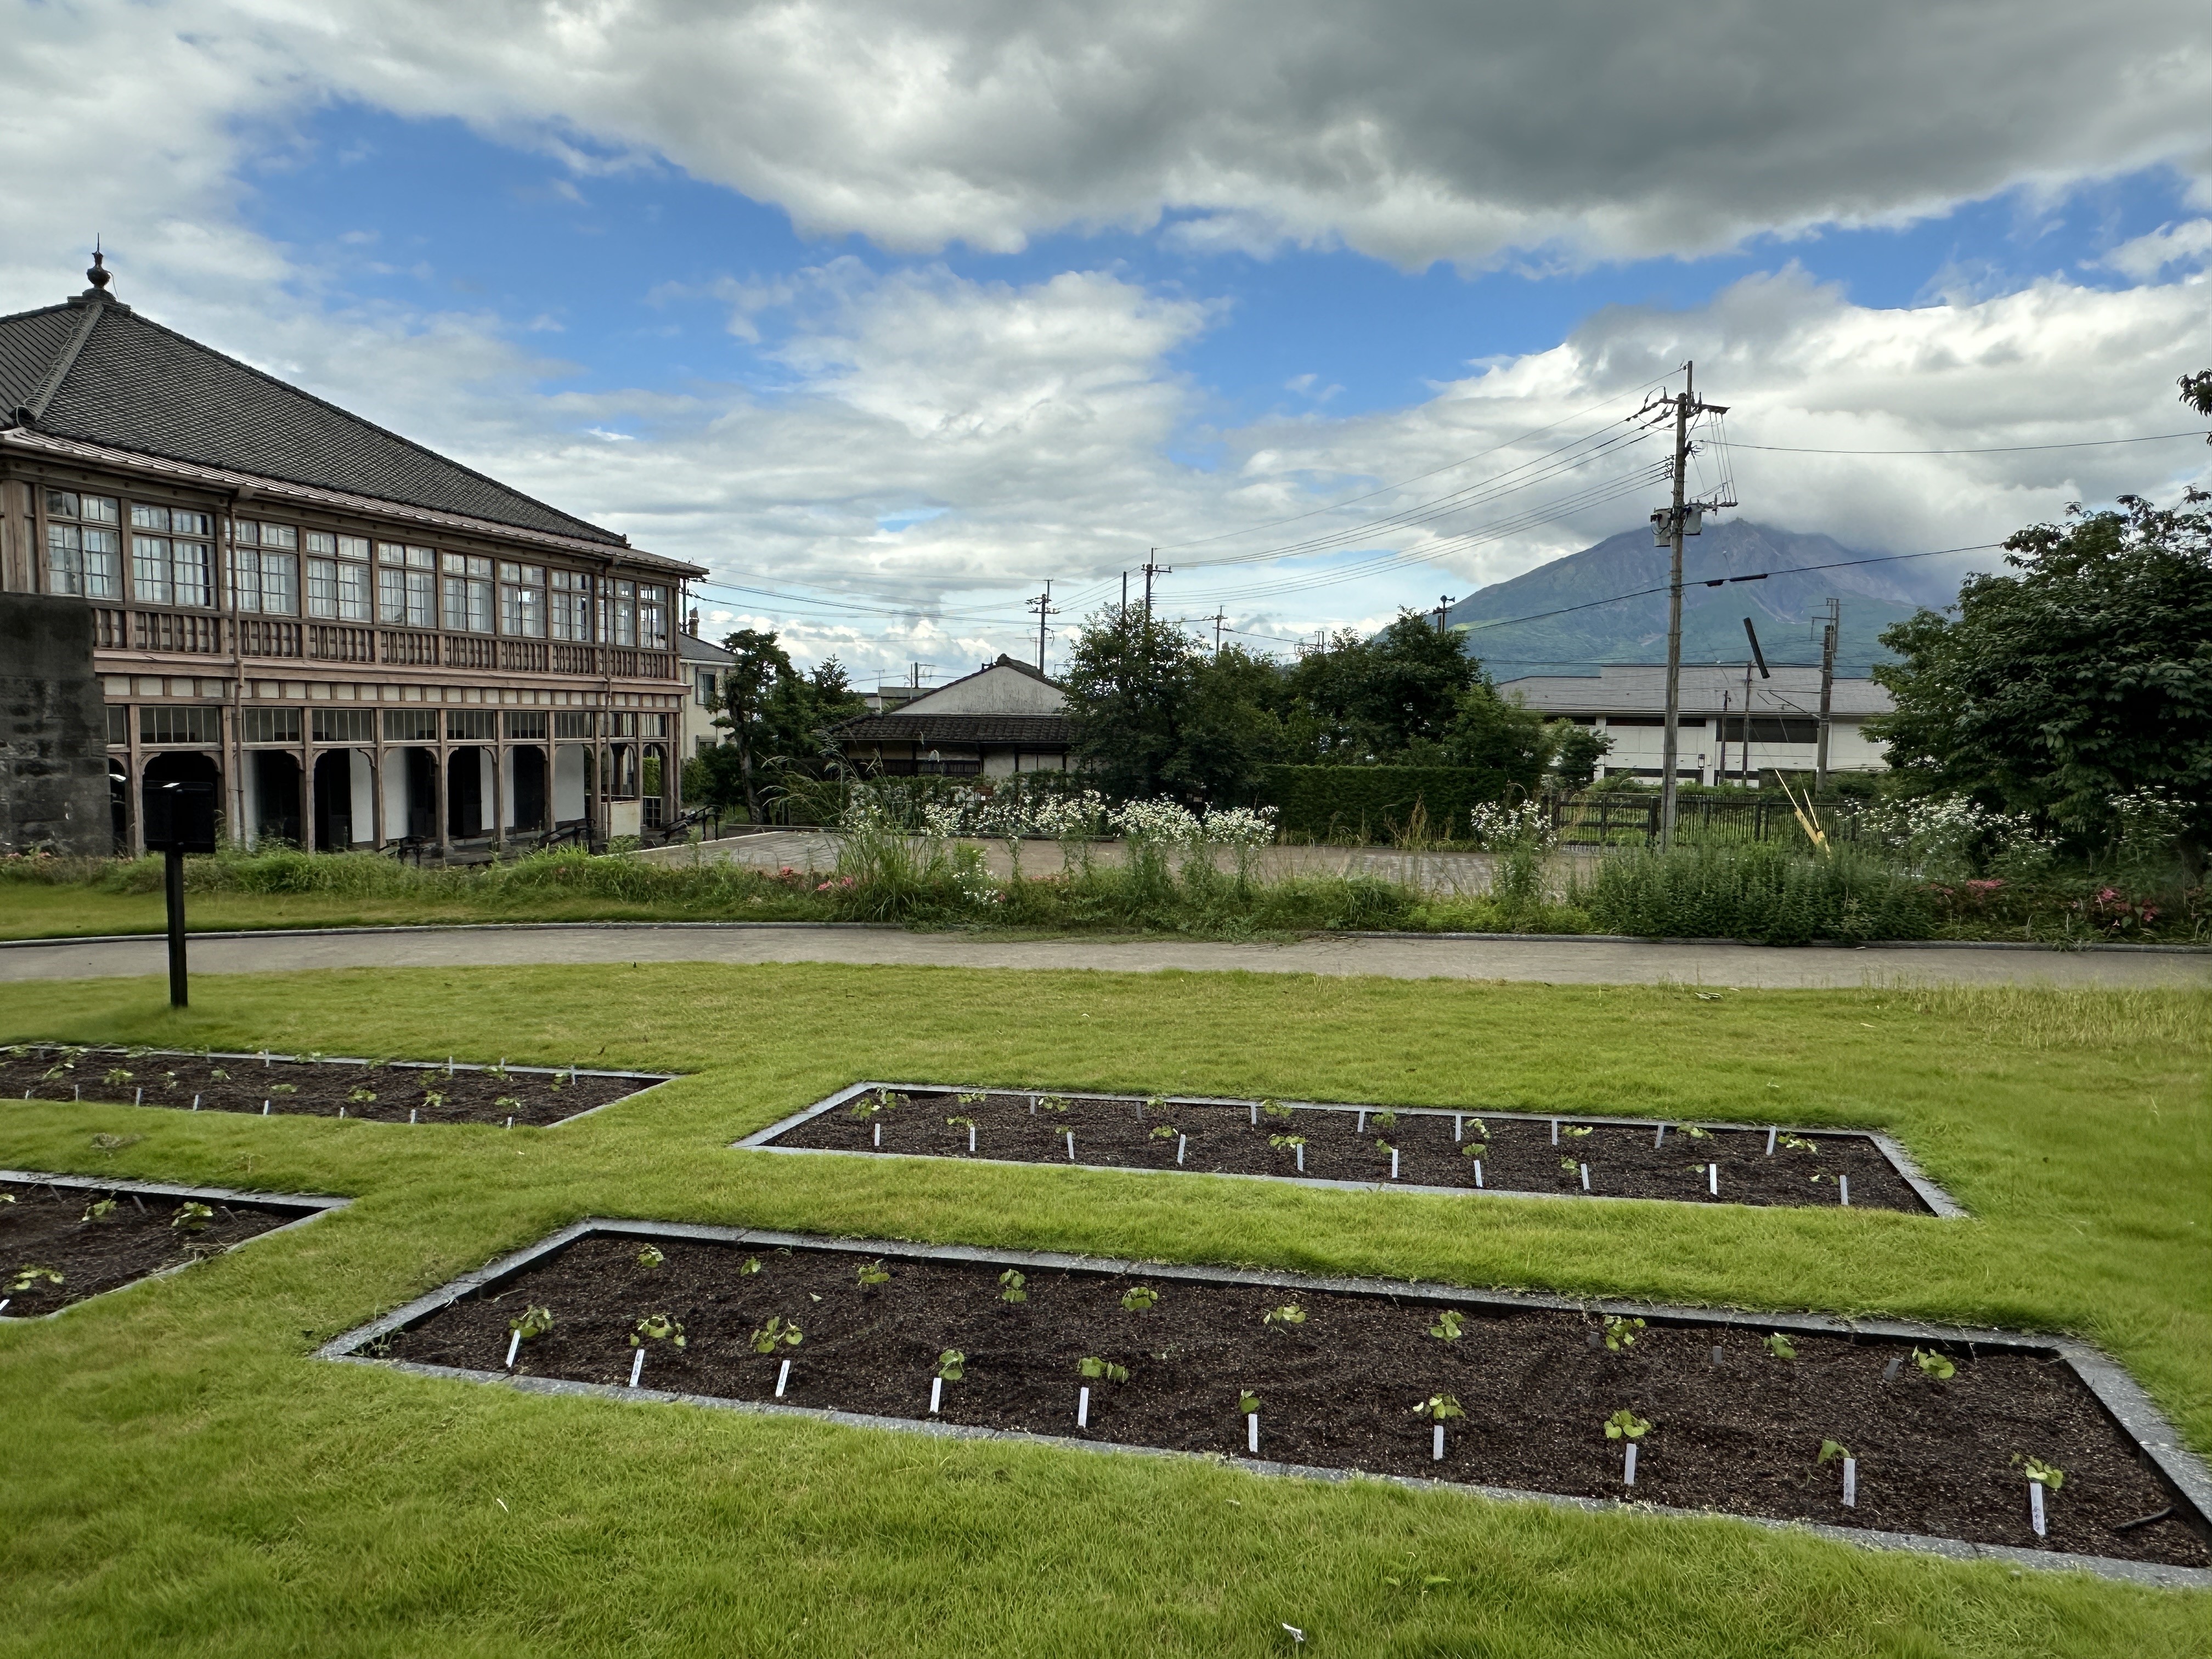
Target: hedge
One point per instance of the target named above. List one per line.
(1370, 802)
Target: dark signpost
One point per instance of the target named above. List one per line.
(179, 819)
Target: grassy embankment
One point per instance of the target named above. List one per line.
(183, 1480)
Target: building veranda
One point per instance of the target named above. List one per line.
(364, 644)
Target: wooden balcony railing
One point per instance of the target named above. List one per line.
(206, 634)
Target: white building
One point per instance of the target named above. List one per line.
(1628, 703)
(1005, 717)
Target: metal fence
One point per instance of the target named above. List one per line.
(1610, 818)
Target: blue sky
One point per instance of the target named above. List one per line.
(894, 315)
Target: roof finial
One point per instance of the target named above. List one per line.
(99, 275)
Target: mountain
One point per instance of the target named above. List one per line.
(1780, 607)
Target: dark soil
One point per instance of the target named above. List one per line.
(51, 1227)
(1517, 1155)
(384, 1091)
(1738, 1431)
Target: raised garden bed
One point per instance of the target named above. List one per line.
(63, 1238)
(1329, 1144)
(1939, 1448)
(318, 1085)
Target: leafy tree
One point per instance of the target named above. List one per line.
(1576, 752)
(1390, 697)
(2087, 675)
(1154, 715)
(775, 715)
(1498, 733)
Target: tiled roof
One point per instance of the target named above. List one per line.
(1050, 731)
(94, 370)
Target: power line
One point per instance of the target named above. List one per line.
(2001, 449)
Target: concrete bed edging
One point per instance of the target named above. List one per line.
(651, 1079)
(2138, 1418)
(317, 1205)
(1940, 1203)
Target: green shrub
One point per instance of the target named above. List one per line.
(1764, 894)
(1371, 802)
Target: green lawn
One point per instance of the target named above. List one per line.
(181, 1478)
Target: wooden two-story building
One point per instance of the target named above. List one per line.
(363, 643)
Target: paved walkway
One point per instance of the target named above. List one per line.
(1552, 960)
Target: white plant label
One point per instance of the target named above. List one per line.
(1478, 1172)
(1843, 1190)
(879, 1135)
(1255, 1114)
(1182, 1143)
(139, 1099)
(1660, 1136)
(1302, 1160)
(195, 1101)
(1394, 1164)
(1252, 1434)
(2035, 1506)
(782, 1378)
(510, 1119)
(1850, 1483)
(341, 1111)
(1585, 1169)
(410, 1113)
(513, 1342)
(1628, 1466)
(636, 1365)
(1436, 1444)
(264, 1109)
(971, 1136)
(1555, 1132)
(936, 1394)
(1082, 1408)
(1071, 1145)
(1713, 1179)
(1770, 1133)
(1458, 1119)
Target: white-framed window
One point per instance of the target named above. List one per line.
(618, 612)
(168, 571)
(406, 586)
(571, 604)
(84, 554)
(266, 580)
(522, 600)
(338, 585)
(653, 617)
(468, 594)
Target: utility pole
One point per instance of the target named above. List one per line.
(1044, 607)
(1445, 606)
(1835, 623)
(1218, 619)
(1124, 593)
(1679, 519)
(1151, 571)
(1720, 776)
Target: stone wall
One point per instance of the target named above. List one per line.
(54, 730)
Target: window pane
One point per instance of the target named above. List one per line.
(392, 595)
(321, 541)
(322, 588)
(98, 509)
(119, 725)
(422, 599)
(353, 547)
(390, 553)
(353, 592)
(279, 535)
(62, 503)
(246, 533)
(192, 524)
(410, 726)
(149, 570)
(193, 566)
(65, 559)
(479, 607)
(280, 583)
(270, 725)
(457, 603)
(421, 558)
(509, 572)
(103, 564)
(144, 517)
(245, 578)
(455, 565)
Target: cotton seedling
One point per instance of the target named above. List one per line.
(657, 1327)
(1282, 1318)
(1140, 1299)
(1474, 1149)
(1282, 1143)
(1797, 1142)
(283, 1088)
(1935, 1364)
(1164, 1131)
(1052, 1103)
(870, 1274)
(886, 1099)
(1153, 1103)
(1247, 1403)
(28, 1276)
(118, 1076)
(1386, 1119)
(1830, 1451)
(1570, 1164)
(357, 1096)
(532, 1323)
(1691, 1130)
(951, 1365)
(1779, 1346)
(1439, 1408)
(1276, 1110)
(650, 1256)
(100, 1209)
(778, 1332)
(1481, 1129)
(508, 1103)
(1621, 1333)
(432, 1100)
(1625, 1424)
(748, 1267)
(192, 1216)
(974, 1098)
(497, 1072)
(2050, 1475)
(1011, 1286)
(1573, 1131)
(1447, 1327)
(1095, 1369)
(219, 1074)
(960, 1122)
(864, 1109)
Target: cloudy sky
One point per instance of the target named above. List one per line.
(890, 313)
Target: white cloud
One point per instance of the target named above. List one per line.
(2144, 259)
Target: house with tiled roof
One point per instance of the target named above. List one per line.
(1005, 717)
(362, 641)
